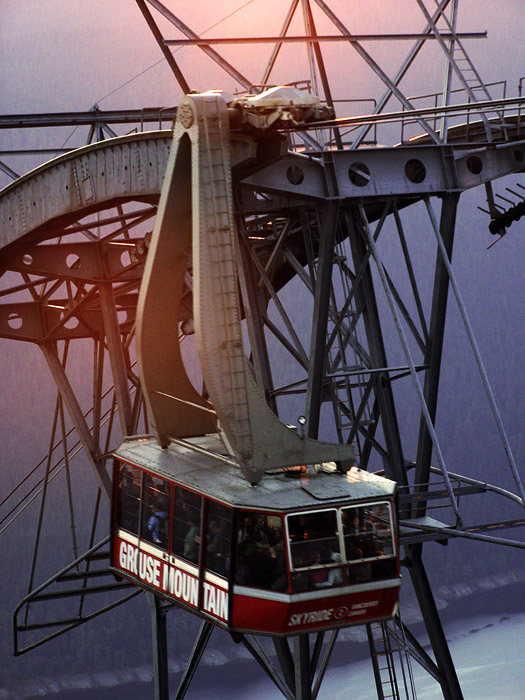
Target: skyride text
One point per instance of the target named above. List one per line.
(172, 580)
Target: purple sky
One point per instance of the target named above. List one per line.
(62, 55)
(68, 54)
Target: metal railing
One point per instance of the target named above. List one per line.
(435, 100)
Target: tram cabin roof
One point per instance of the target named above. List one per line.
(211, 476)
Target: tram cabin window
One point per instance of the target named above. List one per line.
(155, 510)
(187, 525)
(367, 532)
(128, 507)
(315, 550)
(313, 538)
(261, 555)
(218, 538)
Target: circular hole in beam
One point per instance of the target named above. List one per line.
(71, 323)
(415, 170)
(73, 261)
(359, 174)
(474, 164)
(14, 321)
(294, 175)
(125, 258)
(122, 316)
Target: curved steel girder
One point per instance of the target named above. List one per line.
(132, 167)
(85, 180)
(42, 203)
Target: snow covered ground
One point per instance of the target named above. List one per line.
(488, 649)
(489, 653)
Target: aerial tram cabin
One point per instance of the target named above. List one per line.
(301, 551)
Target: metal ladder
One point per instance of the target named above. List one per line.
(390, 661)
(472, 84)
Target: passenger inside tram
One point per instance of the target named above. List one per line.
(368, 543)
(190, 549)
(315, 547)
(280, 573)
(129, 498)
(218, 551)
(318, 577)
(155, 511)
(261, 558)
(335, 574)
(218, 538)
(186, 525)
(313, 538)
(157, 525)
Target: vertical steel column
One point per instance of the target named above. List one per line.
(412, 55)
(447, 83)
(199, 646)
(316, 653)
(253, 301)
(392, 86)
(286, 661)
(366, 298)
(324, 661)
(75, 413)
(312, 31)
(98, 375)
(450, 683)
(435, 344)
(323, 284)
(303, 685)
(116, 355)
(159, 646)
(310, 48)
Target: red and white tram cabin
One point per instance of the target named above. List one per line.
(289, 555)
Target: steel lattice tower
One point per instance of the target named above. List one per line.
(361, 329)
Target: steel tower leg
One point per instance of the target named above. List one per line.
(301, 672)
(303, 685)
(160, 646)
(286, 661)
(394, 464)
(199, 646)
(435, 344)
(323, 284)
(450, 683)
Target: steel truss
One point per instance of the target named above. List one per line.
(320, 220)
